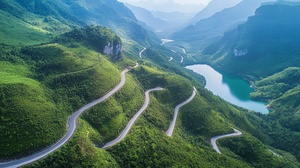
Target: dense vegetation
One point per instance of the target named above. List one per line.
(34, 21)
(265, 50)
(42, 84)
(267, 43)
(97, 38)
(147, 145)
(282, 90)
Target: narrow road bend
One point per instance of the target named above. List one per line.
(214, 139)
(133, 119)
(172, 125)
(70, 130)
(141, 52)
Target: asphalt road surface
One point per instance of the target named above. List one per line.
(214, 139)
(71, 129)
(140, 54)
(133, 119)
(172, 125)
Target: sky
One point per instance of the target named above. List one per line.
(169, 5)
(183, 2)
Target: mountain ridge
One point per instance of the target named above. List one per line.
(212, 29)
(212, 7)
(43, 83)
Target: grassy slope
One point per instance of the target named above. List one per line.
(79, 151)
(271, 37)
(276, 85)
(283, 91)
(39, 96)
(73, 77)
(28, 115)
(66, 78)
(153, 148)
(17, 32)
(147, 144)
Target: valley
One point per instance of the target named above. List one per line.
(97, 84)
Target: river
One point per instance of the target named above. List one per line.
(233, 89)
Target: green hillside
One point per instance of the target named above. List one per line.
(28, 115)
(147, 145)
(283, 90)
(45, 80)
(55, 17)
(266, 50)
(23, 33)
(42, 85)
(267, 43)
(66, 78)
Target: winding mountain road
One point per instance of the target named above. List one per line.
(214, 139)
(133, 119)
(164, 41)
(181, 59)
(71, 129)
(172, 125)
(141, 52)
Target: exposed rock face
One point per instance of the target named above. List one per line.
(113, 50)
(241, 52)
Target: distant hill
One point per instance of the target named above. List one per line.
(212, 28)
(110, 13)
(147, 17)
(168, 6)
(213, 7)
(176, 20)
(56, 17)
(55, 58)
(267, 43)
(162, 23)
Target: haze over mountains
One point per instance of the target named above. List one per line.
(213, 7)
(272, 25)
(57, 56)
(66, 15)
(162, 23)
(168, 6)
(213, 27)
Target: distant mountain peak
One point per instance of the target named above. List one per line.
(213, 7)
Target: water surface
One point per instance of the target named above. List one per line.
(233, 89)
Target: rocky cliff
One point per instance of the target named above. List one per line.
(101, 39)
(114, 50)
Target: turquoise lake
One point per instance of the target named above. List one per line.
(233, 89)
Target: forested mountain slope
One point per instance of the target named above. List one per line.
(147, 17)
(44, 82)
(283, 89)
(35, 21)
(266, 50)
(267, 43)
(211, 29)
